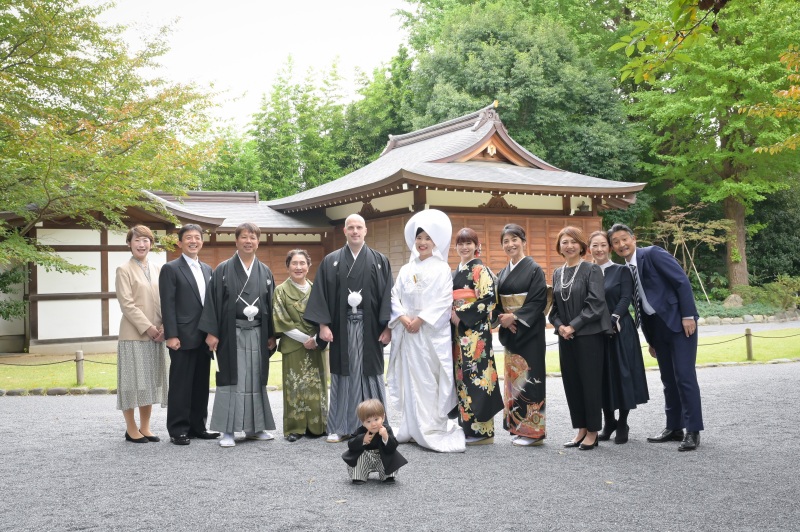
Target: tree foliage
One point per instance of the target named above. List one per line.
(552, 99)
(665, 35)
(381, 110)
(83, 130)
(788, 105)
(299, 132)
(702, 147)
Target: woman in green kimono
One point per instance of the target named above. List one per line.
(304, 390)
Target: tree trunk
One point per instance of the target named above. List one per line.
(736, 256)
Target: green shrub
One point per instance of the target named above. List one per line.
(782, 294)
(716, 309)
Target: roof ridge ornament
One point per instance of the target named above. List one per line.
(486, 114)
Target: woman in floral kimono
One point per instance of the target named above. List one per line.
(520, 312)
(304, 390)
(479, 397)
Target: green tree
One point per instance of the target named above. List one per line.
(379, 112)
(299, 132)
(703, 147)
(236, 166)
(552, 98)
(83, 130)
(788, 105)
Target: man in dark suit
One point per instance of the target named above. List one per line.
(664, 303)
(182, 285)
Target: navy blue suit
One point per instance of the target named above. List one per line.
(669, 292)
(181, 308)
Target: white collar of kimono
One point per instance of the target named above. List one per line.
(246, 269)
(437, 225)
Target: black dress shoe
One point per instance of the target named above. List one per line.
(622, 434)
(608, 430)
(293, 437)
(589, 447)
(667, 435)
(180, 439)
(690, 442)
(205, 435)
(151, 438)
(135, 440)
(573, 443)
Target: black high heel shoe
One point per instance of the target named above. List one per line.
(608, 430)
(622, 434)
(128, 437)
(573, 443)
(585, 447)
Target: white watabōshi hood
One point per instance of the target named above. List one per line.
(437, 225)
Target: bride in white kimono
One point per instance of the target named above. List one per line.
(421, 386)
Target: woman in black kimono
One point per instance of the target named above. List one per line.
(581, 320)
(479, 397)
(624, 381)
(522, 293)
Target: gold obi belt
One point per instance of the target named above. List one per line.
(462, 296)
(513, 302)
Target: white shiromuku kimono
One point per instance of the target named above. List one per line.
(420, 377)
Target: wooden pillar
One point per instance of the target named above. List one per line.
(565, 205)
(104, 285)
(420, 198)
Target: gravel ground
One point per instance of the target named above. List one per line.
(66, 466)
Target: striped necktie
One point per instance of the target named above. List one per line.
(637, 300)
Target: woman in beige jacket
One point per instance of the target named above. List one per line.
(141, 357)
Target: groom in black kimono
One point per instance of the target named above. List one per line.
(351, 303)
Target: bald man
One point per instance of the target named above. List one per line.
(351, 303)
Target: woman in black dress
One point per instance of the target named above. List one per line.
(520, 312)
(624, 381)
(581, 320)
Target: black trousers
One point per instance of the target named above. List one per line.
(582, 374)
(187, 410)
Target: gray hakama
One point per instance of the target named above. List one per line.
(347, 391)
(142, 369)
(244, 407)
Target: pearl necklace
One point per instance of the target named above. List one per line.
(568, 284)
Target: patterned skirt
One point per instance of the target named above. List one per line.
(142, 374)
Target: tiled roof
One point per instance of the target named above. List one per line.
(412, 156)
(226, 210)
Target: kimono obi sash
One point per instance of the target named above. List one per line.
(512, 302)
(462, 296)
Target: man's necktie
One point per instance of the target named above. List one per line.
(637, 300)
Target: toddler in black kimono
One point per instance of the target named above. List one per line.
(373, 448)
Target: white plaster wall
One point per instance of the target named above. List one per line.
(64, 283)
(116, 239)
(574, 202)
(296, 238)
(394, 202)
(70, 319)
(114, 317)
(473, 199)
(68, 237)
(340, 212)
